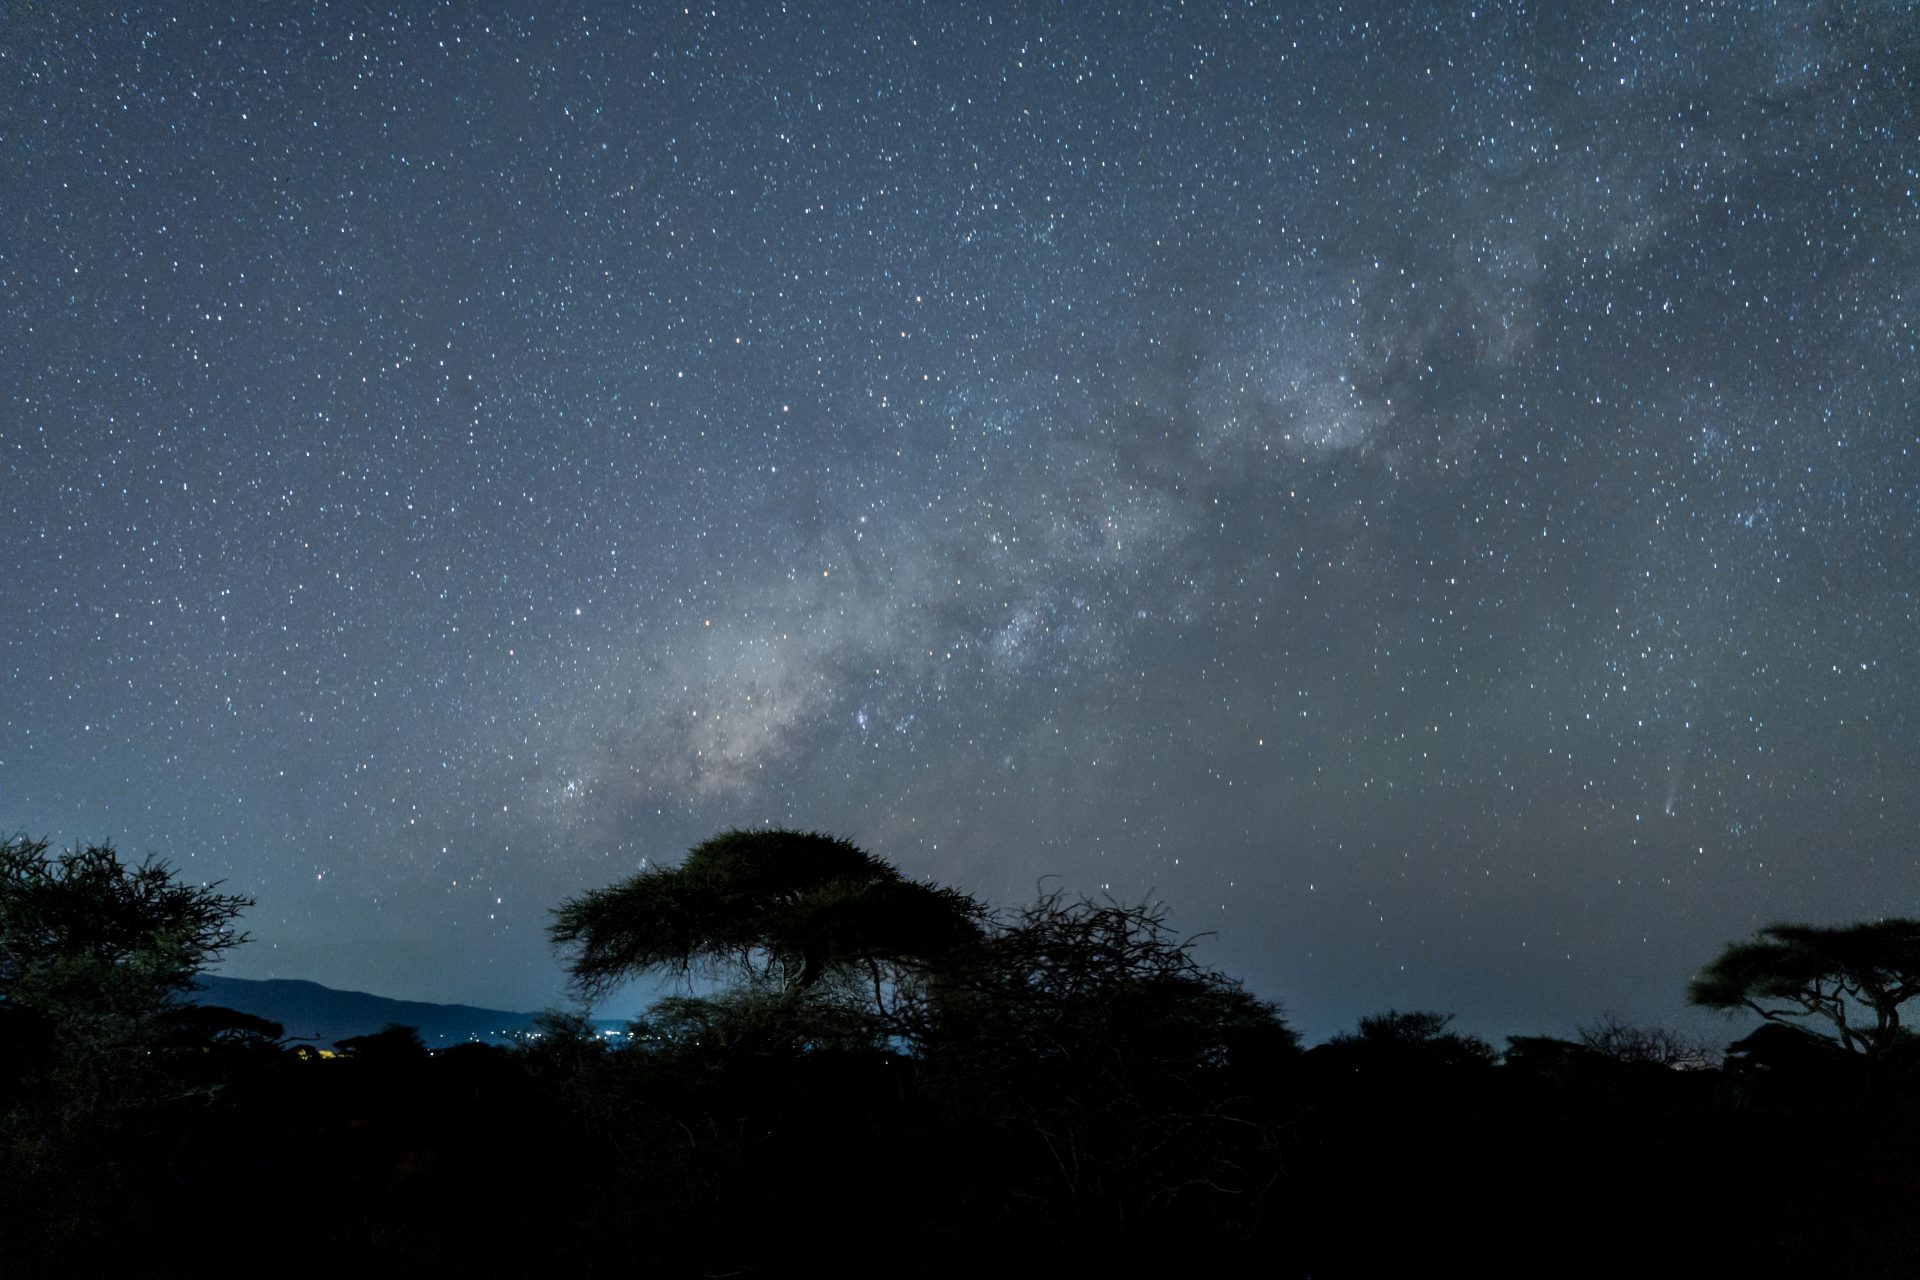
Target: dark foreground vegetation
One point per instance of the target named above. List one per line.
(891, 1079)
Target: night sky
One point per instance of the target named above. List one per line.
(1430, 491)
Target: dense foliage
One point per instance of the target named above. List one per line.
(85, 934)
(1063, 1086)
(94, 955)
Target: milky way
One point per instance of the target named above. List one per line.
(1429, 491)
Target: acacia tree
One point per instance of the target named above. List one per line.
(87, 939)
(94, 955)
(1086, 1033)
(1072, 1060)
(1418, 1040)
(1621, 1041)
(776, 907)
(1853, 977)
(1065, 979)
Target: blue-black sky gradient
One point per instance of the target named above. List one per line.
(1432, 491)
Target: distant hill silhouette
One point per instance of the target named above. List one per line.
(322, 1015)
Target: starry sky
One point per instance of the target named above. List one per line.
(1431, 491)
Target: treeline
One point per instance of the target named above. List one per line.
(890, 1078)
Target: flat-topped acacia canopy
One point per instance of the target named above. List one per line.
(1791, 972)
(787, 904)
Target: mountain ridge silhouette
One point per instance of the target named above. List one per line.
(322, 1015)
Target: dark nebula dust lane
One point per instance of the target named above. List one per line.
(1429, 491)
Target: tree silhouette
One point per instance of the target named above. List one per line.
(1620, 1041)
(94, 955)
(1418, 1041)
(394, 1043)
(94, 950)
(776, 907)
(1081, 1040)
(1064, 979)
(193, 1026)
(1794, 973)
